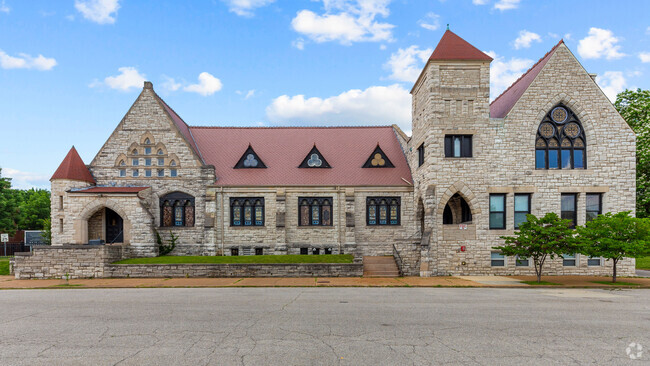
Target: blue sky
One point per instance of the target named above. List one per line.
(70, 69)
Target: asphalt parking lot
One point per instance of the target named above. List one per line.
(324, 326)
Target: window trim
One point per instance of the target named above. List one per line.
(503, 195)
(517, 260)
(503, 258)
(242, 213)
(421, 155)
(173, 198)
(600, 205)
(570, 257)
(600, 261)
(575, 208)
(515, 208)
(316, 201)
(449, 144)
(558, 135)
(377, 205)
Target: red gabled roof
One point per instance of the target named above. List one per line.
(452, 47)
(500, 107)
(73, 168)
(110, 190)
(283, 149)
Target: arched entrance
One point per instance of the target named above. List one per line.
(104, 224)
(114, 227)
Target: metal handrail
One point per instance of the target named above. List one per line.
(398, 260)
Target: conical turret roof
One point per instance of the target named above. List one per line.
(73, 168)
(452, 47)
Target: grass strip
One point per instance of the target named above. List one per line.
(544, 283)
(616, 283)
(255, 259)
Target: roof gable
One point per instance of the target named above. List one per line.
(314, 160)
(73, 168)
(452, 47)
(500, 107)
(378, 159)
(250, 160)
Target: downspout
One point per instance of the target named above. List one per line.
(342, 209)
(221, 221)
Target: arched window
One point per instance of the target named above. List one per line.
(315, 211)
(173, 163)
(456, 211)
(160, 152)
(247, 211)
(560, 141)
(147, 141)
(177, 209)
(134, 152)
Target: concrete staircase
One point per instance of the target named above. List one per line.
(383, 266)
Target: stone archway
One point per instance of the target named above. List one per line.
(462, 190)
(103, 219)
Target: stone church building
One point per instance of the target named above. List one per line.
(439, 199)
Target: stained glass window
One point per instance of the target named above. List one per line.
(315, 211)
(560, 123)
(176, 209)
(383, 211)
(304, 213)
(178, 214)
(247, 211)
(259, 213)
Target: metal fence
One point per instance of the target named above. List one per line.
(12, 248)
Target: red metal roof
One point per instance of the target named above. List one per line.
(283, 148)
(500, 107)
(73, 168)
(452, 47)
(111, 190)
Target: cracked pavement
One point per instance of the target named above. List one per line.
(322, 326)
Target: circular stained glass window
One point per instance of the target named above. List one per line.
(559, 114)
(572, 130)
(546, 130)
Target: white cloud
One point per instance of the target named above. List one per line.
(299, 44)
(526, 38)
(644, 57)
(129, 78)
(247, 94)
(26, 180)
(25, 61)
(431, 21)
(406, 64)
(345, 21)
(170, 84)
(506, 4)
(374, 105)
(245, 8)
(600, 43)
(479, 2)
(503, 73)
(207, 85)
(382, 47)
(4, 8)
(612, 83)
(647, 30)
(98, 11)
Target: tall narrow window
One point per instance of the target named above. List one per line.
(176, 209)
(383, 211)
(421, 155)
(247, 211)
(522, 208)
(568, 208)
(497, 259)
(594, 205)
(315, 211)
(147, 151)
(560, 141)
(458, 146)
(497, 211)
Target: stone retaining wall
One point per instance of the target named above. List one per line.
(74, 261)
(235, 270)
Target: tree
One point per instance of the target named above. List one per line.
(615, 236)
(8, 206)
(34, 209)
(539, 239)
(634, 107)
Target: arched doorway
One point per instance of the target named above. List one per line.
(456, 211)
(105, 224)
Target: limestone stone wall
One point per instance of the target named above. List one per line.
(503, 161)
(235, 270)
(71, 261)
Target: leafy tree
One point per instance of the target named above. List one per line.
(47, 231)
(614, 236)
(8, 206)
(539, 239)
(634, 106)
(34, 209)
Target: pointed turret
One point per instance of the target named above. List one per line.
(73, 168)
(452, 47)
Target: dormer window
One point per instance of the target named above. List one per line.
(378, 160)
(249, 160)
(314, 160)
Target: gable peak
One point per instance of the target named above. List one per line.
(452, 47)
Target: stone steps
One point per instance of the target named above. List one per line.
(379, 266)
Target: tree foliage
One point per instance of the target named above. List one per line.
(614, 236)
(8, 206)
(539, 239)
(22, 209)
(634, 106)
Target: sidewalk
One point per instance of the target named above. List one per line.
(9, 282)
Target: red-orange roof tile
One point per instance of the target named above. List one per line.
(110, 190)
(500, 107)
(283, 149)
(73, 168)
(452, 47)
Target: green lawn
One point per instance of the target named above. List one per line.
(542, 283)
(643, 263)
(4, 266)
(618, 283)
(326, 258)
